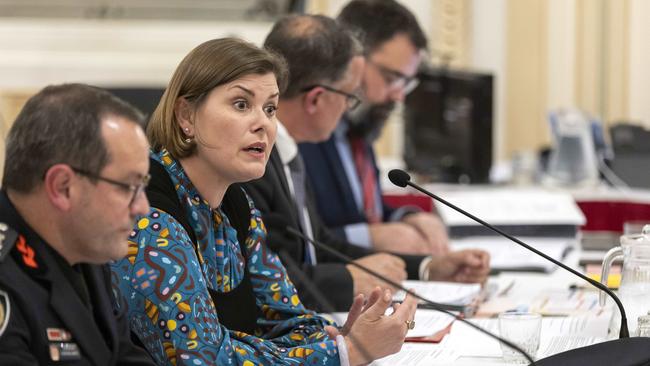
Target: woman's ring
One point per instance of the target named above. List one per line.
(410, 324)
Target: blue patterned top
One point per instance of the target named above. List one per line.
(164, 287)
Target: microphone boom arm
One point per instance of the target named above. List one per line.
(623, 333)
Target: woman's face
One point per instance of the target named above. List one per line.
(235, 127)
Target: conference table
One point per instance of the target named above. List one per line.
(466, 346)
(606, 210)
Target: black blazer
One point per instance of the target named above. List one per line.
(43, 299)
(327, 174)
(272, 197)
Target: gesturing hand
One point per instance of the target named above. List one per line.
(374, 335)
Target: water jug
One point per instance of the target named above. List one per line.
(634, 290)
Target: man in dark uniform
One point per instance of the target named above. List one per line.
(75, 168)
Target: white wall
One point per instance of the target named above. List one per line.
(488, 36)
(40, 52)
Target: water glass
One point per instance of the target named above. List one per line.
(523, 329)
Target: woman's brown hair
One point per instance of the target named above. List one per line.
(209, 65)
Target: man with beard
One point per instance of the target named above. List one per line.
(344, 167)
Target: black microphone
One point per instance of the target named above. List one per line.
(279, 223)
(401, 178)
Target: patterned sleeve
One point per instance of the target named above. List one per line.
(161, 284)
(285, 317)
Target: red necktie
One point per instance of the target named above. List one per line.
(366, 172)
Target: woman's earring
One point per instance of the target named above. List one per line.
(187, 138)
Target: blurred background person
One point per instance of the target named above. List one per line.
(345, 166)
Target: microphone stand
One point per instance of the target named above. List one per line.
(399, 174)
(434, 305)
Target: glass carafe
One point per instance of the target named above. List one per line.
(634, 290)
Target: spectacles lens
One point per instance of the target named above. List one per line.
(140, 189)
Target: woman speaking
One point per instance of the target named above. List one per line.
(199, 283)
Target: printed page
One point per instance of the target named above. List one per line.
(427, 322)
(442, 292)
(413, 354)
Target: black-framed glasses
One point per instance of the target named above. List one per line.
(395, 79)
(351, 100)
(136, 189)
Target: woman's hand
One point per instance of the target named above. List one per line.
(369, 334)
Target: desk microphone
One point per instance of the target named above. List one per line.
(401, 178)
(279, 223)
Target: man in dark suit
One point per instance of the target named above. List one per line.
(344, 167)
(75, 169)
(325, 67)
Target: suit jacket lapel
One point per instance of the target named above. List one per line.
(276, 161)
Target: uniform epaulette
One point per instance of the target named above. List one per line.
(8, 238)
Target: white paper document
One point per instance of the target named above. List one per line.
(558, 334)
(469, 342)
(588, 325)
(443, 292)
(427, 322)
(418, 354)
(506, 255)
(553, 345)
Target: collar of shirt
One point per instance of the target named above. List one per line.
(341, 131)
(286, 145)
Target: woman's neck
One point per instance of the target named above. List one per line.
(211, 187)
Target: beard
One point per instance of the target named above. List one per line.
(368, 120)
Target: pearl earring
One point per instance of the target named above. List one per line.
(188, 139)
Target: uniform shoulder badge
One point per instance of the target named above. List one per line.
(5, 311)
(8, 237)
